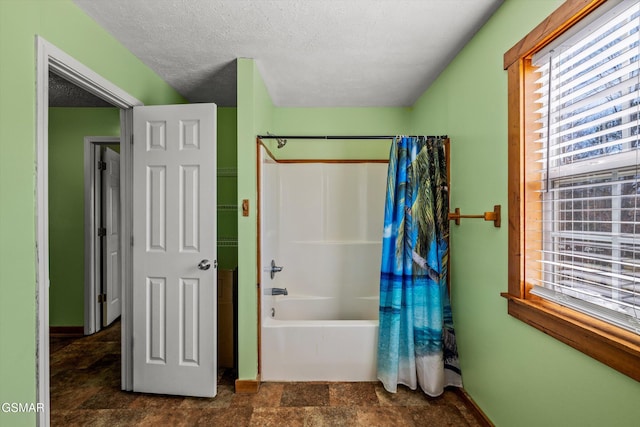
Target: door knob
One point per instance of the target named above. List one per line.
(204, 264)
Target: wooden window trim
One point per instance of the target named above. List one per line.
(608, 344)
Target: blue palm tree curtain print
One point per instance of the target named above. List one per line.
(416, 341)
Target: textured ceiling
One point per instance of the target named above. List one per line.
(310, 53)
(62, 93)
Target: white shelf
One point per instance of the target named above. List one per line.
(227, 172)
(227, 241)
(227, 207)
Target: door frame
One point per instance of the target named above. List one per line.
(50, 58)
(92, 254)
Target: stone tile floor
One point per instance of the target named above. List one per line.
(85, 391)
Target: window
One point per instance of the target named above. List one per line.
(574, 179)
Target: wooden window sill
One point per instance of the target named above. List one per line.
(612, 346)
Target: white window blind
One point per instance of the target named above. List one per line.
(587, 187)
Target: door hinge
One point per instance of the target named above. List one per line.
(131, 240)
(102, 231)
(102, 298)
(102, 166)
(131, 139)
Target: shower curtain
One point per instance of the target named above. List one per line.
(416, 341)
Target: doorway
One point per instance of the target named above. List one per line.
(102, 260)
(52, 59)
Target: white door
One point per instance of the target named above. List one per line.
(111, 274)
(174, 249)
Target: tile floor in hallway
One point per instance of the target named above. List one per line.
(85, 390)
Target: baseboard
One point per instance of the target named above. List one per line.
(248, 386)
(66, 331)
(474, 408)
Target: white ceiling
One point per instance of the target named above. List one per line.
(310, 53)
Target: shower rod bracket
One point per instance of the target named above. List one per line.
(487, 216)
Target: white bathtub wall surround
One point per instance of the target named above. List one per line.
(332, 201)
(331, 228)
(325, 308)
(322, 222)
(270, 202)
(269, 222)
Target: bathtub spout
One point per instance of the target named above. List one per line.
(276, 291)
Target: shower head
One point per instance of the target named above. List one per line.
(281, 141)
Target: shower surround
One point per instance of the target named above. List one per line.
(321, 222)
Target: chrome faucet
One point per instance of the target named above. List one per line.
(276, 291)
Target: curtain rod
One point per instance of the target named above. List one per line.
(336, 137)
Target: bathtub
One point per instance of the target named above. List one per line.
(322, 223)
(306, 338)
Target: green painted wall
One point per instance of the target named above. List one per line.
(227, 185)
(67, 27)
(254, 115)
(517, 375)
(67, 129)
